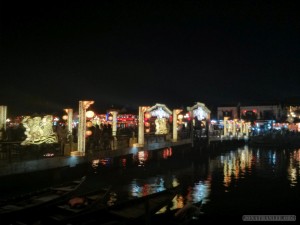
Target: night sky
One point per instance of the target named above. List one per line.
(131, 53)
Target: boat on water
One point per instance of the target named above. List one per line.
(79, 207)
(140, 210)
(20, 207)
(102, 206)
(189, 214)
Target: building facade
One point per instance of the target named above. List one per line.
(254, 112)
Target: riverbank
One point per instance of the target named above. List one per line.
(28, 165)
(34, 164)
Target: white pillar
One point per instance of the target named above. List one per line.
(190, 109)
(114, 144)
(247, 126)
(3, 117)
(70, 119)
(175, 132)
(225, 125)
(142, 110)
(83, 106)
(114, 123)
(243, 127)
(234, 128)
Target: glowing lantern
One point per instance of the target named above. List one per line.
(88, 133)
(180, 116)
(89, 114)
(147, 124)
(65, 117)
(147, 130)
(110, 117)
(147, 115)
(89, 124)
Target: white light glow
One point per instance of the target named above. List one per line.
(160, 113)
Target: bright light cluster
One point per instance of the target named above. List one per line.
(160, 113)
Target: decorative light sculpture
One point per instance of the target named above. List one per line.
(160, 113)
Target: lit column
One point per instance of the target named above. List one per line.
(142, 110)
(190, 109)
(114, 144)
(247, 127)
(225, 125)
(83, 106)
(175, 132)
(234, 128)
(243, 127)
(70, 119)
(114, 123)
(3, 115)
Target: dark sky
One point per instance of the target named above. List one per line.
(131, 53)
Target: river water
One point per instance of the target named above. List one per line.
(232, 183)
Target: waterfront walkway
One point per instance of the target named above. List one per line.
(32, 165)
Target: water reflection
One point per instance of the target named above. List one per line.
(294, 167)
(250, 176)
(267, 163)
(167, 152)
(140, 188)
(236, 164)
(142, 157)
(105, 162)
(201, 191)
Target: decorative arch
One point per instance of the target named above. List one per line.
(162, 113)
(200, 111)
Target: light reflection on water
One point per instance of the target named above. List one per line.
(268, 163)
(294, 167)
(236, 164)
(259, 169)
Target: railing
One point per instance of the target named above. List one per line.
(14, 151)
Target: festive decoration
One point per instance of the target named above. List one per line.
(90, 114)
(38, 130)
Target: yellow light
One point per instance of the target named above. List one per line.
(110, 117)
(89, 124)
(65, 117)
(147, 115)
(90, 114)
(88, 133)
